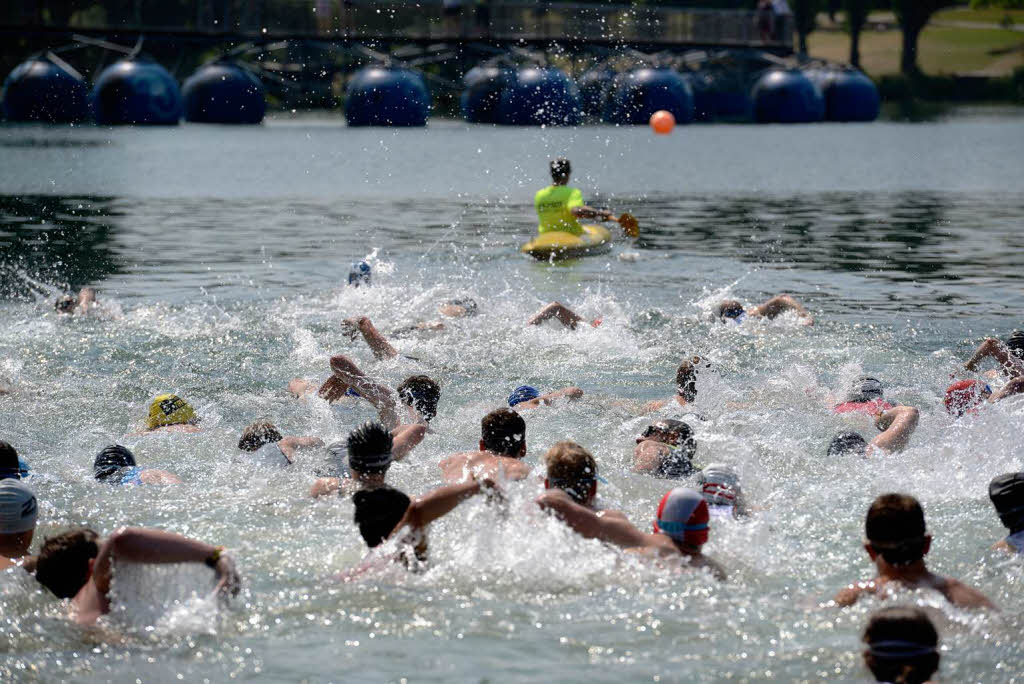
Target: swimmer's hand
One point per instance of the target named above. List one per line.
(351, 327)
(333, 389)
(228, 580)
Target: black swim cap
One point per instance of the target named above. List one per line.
(112, 459)
(377, 512)
(1007, 494)
(1015, 342)
(864, 389)
(847, 442)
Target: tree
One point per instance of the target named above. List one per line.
(856, 17)
(913, 16)
(805, 13)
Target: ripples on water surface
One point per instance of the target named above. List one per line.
(221, 255)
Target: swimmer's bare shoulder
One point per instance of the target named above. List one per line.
(455, 468)
(959, 594)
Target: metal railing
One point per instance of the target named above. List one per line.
(497, 20)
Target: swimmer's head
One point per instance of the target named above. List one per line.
(561, 169)
(66, 304)
(458, 307)
(359, 274)
(63, 564)
(847, 443)
(170, 409)
(895, 529)
(686, 377)
(369, 449)
(258, 435)
(422, 394)
(719, 484)
(11, 465)
(110, 460)
(572, 469)
(18, 508)
(964, 396)
(1015, 343)
(377, 512)
(864, 389)
(902, 645)
(729, 309)
(521, 394)
(683, 515)
(668, 431)
(1007, 494)
(503, 432)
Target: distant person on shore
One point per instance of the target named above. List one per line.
(170, 413)
(896, 426)
(18, 512)
(865, 395)
(1007, 495)
(563, 314)
(764, 20)
(902, 645)
(783, 14)
(528, 397)
(116, 465)
(266, 445)
(968, 396)
(559, 207)
(501, 451)
(1009, 354)
(79, 564)
(686, 384)
(732, 310)
(897, 542)
(666, 449)
(362, 461)
(81, 303)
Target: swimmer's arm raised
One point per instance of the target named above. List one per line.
(993, 348)
(347, 374)
(778, 305)
(378, 344)
(564, 314)
(897, 425)
(438, 503)
(405, 438)
(1015, 386)
(585, 522)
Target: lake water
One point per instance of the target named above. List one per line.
(220, 256)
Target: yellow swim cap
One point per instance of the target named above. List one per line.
(169, 409)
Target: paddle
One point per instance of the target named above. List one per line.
(630, 226)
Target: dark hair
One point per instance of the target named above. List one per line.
(560, 169)
(259, 435)
(1015, 343)
(902, 645)
(1007, 494)
(369, 449)
(678, 461)
(847, 442)
(422, 394)
(864, 389)
(111, 460)
(63, 564)
(377, 512)
(895, 528)
(65, 303)
(8, 457)
(729, 309)
(686, 379)
(503, 431)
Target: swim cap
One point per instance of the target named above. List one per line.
(169, 409)
(18, 508)
(11, 465)
(683, 515)
(468, 304)
(521, 394)
(1007, 494)
(864, 389)
(847, 442)
(730, 309)
(963, 396)
(1015, 343)
(719, 484)
(111, 460)
(359, 274)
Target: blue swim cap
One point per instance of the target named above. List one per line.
(352, 393)
(521, 394)
(359, 274)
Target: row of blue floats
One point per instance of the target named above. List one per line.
(140, 91)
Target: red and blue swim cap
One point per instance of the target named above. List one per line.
(683, 515)
(963, 396)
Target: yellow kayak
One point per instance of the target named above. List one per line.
(559, 245)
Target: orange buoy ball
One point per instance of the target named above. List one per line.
(663, 122)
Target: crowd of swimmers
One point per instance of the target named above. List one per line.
(901, 643)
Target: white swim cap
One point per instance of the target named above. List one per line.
(719, 484)
(18, 509)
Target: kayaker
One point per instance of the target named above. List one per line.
(560, 207)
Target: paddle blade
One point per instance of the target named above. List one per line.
(630, 226)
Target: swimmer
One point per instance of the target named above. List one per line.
(1009, 354)
(371, 451)
(897, 542)
(378, 344)
(967, 396)
(458, 308)
(902, 645)
(79, 564)
(896, 426)
(359, 274)
(527, 397)
(573, 470)
(732, 310)
(863, 396)
(170, 413)
(686, 384)
(385, 512)
(502, 449)
(268, 446)
(566, 316)
(80, 304)
(680, 529)
(666, 449)
(11, 464)
(1007, 495)
(719, 484)
(116, 465)
(560, 207)
(18, 513)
